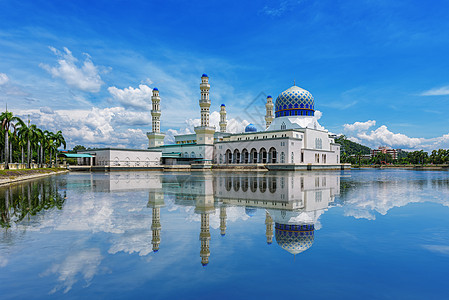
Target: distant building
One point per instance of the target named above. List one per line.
(386, 150)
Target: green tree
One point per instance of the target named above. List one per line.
(7, 119)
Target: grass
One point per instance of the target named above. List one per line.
(11, 174)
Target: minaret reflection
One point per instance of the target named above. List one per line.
(269, 229)
(205, 206)
(156, 201)
(223, 220)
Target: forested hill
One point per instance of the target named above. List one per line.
(351, 147)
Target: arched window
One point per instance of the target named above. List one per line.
(221, 158)
(283, 126)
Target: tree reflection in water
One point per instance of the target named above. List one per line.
(21, 201)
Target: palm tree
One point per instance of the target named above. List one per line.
(33, 140)
(59, 140)
(7, 119)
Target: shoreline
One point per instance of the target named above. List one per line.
(33, 174)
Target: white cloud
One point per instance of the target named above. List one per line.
(359, 126)
(234, 125)
(46, 110)
(442, 249)
(3, 262)
(441, 91)
(3, 78)
(84, 263)
(85, 77)
(138, 98)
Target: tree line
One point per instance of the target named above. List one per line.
(27, 143)
(356, 154)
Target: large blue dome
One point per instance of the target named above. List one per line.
(250, 128)
(294, 238)
(295, 102)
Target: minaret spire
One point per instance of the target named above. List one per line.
(223, 122)
(155, 137)
(205, 101)
(269, 107)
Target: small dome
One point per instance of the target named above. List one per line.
(269, 96)
(223, 105)
(155, 89)
(204, 75)
(294, 238)
(250, 128)
(295, 102)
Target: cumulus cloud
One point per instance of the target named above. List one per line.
(97, 127)
(441, 91)
(359, 126)
(85, 77)
(84, 263)
(138, 98)
(3, 78)
(235, 125)
(47, 110)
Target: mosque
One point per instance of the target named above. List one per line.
(293, 139)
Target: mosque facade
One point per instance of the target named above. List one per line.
(292, 137)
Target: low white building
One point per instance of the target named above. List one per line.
(121, 158)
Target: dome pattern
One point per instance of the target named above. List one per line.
(295, 102)
(250, 128)
(294, 238)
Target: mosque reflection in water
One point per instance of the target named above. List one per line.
(293, 202)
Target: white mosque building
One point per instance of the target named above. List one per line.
(293, 138)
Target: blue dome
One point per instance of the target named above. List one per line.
(223, 105)
(295, 102)
(155, 89)
(269, 96)
(250, 128)
(294, 238)
(204, 75)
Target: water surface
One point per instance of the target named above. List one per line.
(342, 235)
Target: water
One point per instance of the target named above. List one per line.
(350, 235)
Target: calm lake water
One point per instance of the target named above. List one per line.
(341, 235)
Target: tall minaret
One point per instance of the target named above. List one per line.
(205, 133)
(205, 101)
(156, 111)
(156, 228)
(156, 138)
(223, 122)
(269, 106)
(223, 220)
(205, 239)
(269, 229)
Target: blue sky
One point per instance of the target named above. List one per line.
(378, 70)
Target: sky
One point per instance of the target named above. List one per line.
(378, 70)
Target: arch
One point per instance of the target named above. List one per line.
(147, 162)
(245, 184)
(228, 156)
(262, 184)
(236, 184)
(272, 155)
(186, 154)
(127, 161)
(245, 156)
(254, 156)
(137, 161)
(116, 161)
(236, 156)
(253, 184)
(263, 155)
(228, 183)
(272, 184)
(192, 155)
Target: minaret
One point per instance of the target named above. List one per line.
(205, 239)
(156, 111)
(269, 229)
(205, 133)
(156, 228)
(223, 220)
(156, 138)
(269, 116)
(223, 122)
(156, 201)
